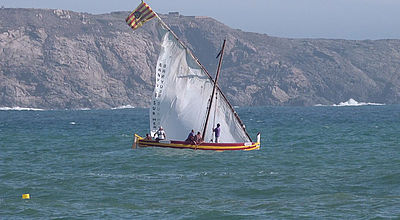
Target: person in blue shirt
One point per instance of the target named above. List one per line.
(190, 137)
(217, 132)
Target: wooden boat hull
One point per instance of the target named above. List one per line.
(141, 142)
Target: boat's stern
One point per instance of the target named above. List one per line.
(258, 143)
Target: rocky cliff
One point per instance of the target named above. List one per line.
(57, 59)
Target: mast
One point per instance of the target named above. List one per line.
(214, 88)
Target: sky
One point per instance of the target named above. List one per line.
(333, 19)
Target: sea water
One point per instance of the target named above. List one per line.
(314, 163)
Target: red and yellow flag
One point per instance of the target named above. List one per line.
(140, 15)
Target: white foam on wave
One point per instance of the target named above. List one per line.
(123, 107)
(352, 102)
(20, 109)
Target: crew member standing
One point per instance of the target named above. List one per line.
(217, 132)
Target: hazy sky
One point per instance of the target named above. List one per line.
(346, 19)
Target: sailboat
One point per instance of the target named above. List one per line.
(187, 98)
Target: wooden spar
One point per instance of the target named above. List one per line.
(183, 45)
(214, 88)
(205, 70)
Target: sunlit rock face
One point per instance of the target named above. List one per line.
(57, 59)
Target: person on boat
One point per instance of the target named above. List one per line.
(197, 138)
(190, 137)
(148, 138)
(160, 134)
(217, 132)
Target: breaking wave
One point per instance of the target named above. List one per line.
(20, 109)
(38, 109)
(123, 107)
(352, 102)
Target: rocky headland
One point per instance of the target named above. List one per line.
(57, 59)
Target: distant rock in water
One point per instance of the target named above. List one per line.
(57, 59)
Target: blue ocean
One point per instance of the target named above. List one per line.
(321, 162)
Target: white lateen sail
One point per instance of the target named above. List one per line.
(182, 94)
